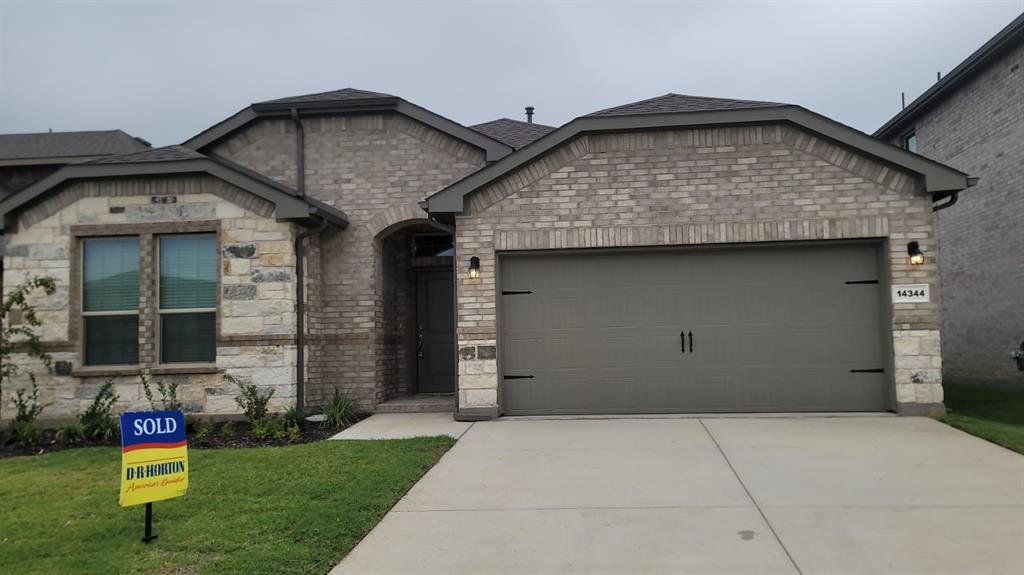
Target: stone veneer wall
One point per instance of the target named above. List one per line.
(374, 168)
(724, 185)
(979, 128)
(256, 321)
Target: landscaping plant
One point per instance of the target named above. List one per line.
(168, 394)
(21, 336)
(228, 430)
(23, 430)
(341, 410)
(294, 415)
(252, 401)
(70, 434)
(97, 422)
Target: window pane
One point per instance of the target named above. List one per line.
(111, 274)
(188, 271)
(188, 338)
(112, 340)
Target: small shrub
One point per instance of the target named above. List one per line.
(341, 410)
(21, 337)
(97, 422)
(71, 434)
(294, 415)
(168, 394)
(204, 429)
(277, 431)
(260, 430)
(25, 434)
(252, 401)
(27, 408)
(294, 433)
(191, 422)
(228, 430)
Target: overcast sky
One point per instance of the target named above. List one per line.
(166, 71)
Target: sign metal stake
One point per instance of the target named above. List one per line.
(149, 524)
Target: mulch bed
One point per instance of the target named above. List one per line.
(214, 439)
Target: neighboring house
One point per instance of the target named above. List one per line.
(671, 255)
(28, 158)
(973, 119)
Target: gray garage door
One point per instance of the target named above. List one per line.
(702, 330)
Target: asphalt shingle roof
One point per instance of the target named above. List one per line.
(675, 103)
(513, 132)
(343, 95)
(164, 154)
(67, 144)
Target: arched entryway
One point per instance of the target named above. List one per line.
(416, 327)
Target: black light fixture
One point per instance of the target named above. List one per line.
(915, 254)
(474, 268)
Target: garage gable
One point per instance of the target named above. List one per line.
(685, 171)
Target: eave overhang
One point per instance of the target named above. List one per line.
(288, 206)
(938, 179)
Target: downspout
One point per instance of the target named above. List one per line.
(300, 154)
(954, 196)
(300, 313)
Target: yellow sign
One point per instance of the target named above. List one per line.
(154, 457)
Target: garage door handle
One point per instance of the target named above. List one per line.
(876, 370)
(691, 341)
(682, 340)
(518, 377)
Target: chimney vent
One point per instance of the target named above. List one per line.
(529, 114)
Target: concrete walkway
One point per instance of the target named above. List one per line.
(857, 495)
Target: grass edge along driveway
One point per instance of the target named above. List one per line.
(294, 509)
(996, 415)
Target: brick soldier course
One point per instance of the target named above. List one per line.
(674, 170)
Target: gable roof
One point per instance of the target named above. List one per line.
(59, 147)
(331, 96)
(513, 132)
(1008, 37)
(346, 101)
(939, 180)
(671, 102)
(177, 160)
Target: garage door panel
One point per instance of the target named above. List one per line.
(774, 329)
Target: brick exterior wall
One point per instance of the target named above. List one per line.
(978, 128)
(725, 185)
(256, 319)
(374, 168)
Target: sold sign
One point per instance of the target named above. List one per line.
(154, 457)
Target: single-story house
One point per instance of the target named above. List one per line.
(677, 254)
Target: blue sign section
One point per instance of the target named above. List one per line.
(152, 428)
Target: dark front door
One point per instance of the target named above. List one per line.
(435, 331)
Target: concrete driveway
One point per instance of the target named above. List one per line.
(858, 495)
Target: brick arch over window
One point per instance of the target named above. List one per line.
(396, 216)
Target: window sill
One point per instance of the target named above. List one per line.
(184, 369)
(114, 371)
(105, 371)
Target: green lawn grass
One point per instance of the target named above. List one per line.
(295, 509)
(993, 414)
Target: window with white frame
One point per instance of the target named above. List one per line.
(110, 300)
(187, 298)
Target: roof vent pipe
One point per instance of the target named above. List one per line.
(300, 154)
(529, 114)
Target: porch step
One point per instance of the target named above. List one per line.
(420, 403)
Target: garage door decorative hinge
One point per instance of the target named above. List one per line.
(862, 282)
(516, 292)
(518, 377)
(876, 370)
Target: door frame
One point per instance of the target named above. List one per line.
(414, 327)
(881, 245)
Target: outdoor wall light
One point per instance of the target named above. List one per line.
(474, 268)
(914, 252)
